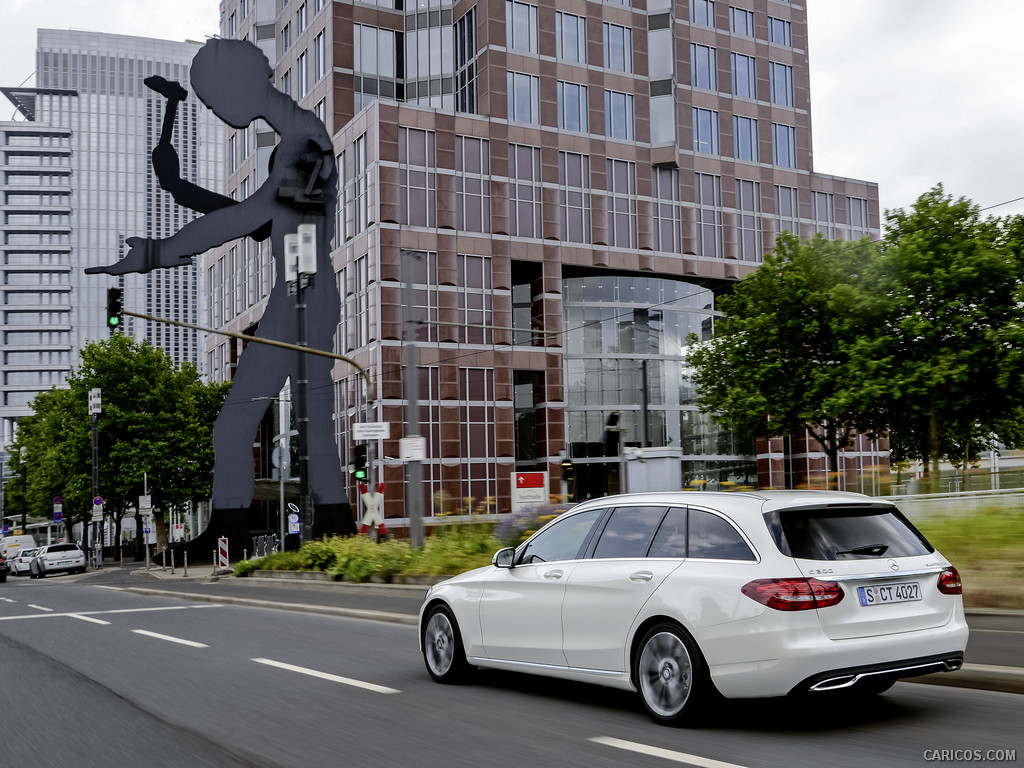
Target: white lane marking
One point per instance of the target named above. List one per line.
(667, 754)
(79, 614)
(83, 617)
(168, 638)
(327, 676)
(8, 600)
(41, 608)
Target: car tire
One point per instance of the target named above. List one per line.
(443, 653)
(670, 674)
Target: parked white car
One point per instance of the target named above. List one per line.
(57, 558)
(21, 561)
(676, 594)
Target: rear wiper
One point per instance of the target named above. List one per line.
(874, 550)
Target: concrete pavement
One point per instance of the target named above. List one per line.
(399, 603)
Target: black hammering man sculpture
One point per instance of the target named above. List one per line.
(233, 78)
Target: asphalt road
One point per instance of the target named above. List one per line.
(108, 676)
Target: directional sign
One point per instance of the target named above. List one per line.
(529, 488)
(372, 430)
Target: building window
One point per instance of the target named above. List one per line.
(302, 74)
(668, 220)
(748, 220)
(478, 443)
(574, 196)
(741, 22)
(857, 217)
(572, 107)
(780, 32)
(475, 291)
(425, 295)
(787, 210)
(781, 84)
(376, 64)
(418, 177)
(744, 80)
(319, 57)
(472, 184)
(744, 130)
(524, 190)
(784, 145)
(703, 67)
(286, 83)
(618, 48)
(705, 131)
(618, 115)
(300, 18)
(823, 211)
(360, 197)
(622, 210)
(465, 63)
(708, 199)
(702, 12)
(286, 38)
(523, 98)
(520, 26)
(570, 37)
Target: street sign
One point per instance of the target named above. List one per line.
(529, 488)
(293, 522)
(58, 509)
(371, 430)
(95, 402)
(145, 504)
(412, 448)
(97, 509)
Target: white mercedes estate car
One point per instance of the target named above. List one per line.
(676, 595)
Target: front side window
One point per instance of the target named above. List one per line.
(629, 532)
(564, 539)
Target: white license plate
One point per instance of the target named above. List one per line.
(903, 592)
(64, 562)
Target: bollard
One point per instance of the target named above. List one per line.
(214, 563)
(172, 561)
(163, 559)
(186, 564)
(245, 554)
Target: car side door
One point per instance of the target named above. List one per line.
(521, 606)
(607, 590)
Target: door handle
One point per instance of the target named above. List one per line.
(555, 574)
(641, 576)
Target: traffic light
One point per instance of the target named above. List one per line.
(568, 470)
(113, 308)
(359, 462)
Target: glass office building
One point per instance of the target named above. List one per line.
(558, 192)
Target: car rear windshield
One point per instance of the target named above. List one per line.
(845, 533)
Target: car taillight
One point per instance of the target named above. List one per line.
(793, 594)
(949, 582)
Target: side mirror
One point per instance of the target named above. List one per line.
(503, 558)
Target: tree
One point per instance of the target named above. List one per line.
(948, 284)
(156, 424)
(781, 358)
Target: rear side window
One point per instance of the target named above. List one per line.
(629, 532)
(846, 533)
(699, 534)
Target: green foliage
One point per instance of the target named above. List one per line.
(156, 420)
(358, 558)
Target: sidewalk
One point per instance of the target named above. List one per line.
(399, 603)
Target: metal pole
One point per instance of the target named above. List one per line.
(413, 468)
(302, 422)
(95, 481)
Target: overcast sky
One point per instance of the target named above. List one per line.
(908, 93)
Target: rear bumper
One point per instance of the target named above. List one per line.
(866, 675)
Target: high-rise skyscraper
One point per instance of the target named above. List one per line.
(566, 189)
(78, 182)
